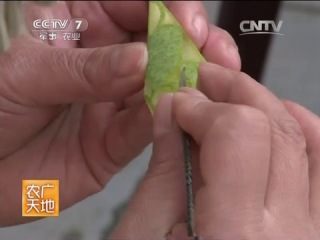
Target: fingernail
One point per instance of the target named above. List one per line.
(233, 53)
(193, 92)
(128, 59)
(163, 116)
(200, 26)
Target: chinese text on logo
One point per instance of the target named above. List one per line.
(40, 198)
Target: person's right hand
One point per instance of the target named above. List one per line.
(256, 161)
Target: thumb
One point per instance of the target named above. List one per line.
(36, 74)
(158, 202)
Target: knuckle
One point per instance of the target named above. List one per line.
(227, 35)
(61, 60)
(288, 130)
(248, 116)
(244, 119)
(191, 106)
(247, 113)
(220, 32)
(85, 64)
(243, 76)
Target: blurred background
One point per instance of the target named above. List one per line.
(288, 64)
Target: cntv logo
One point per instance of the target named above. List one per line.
(260, 27)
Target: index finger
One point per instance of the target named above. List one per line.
(192, 15)
(216, 44)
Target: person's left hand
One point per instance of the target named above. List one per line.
(63, 113)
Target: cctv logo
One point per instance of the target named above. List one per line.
(260, 27)
(77, 24)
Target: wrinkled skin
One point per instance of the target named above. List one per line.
(256, 160)
(78, 115)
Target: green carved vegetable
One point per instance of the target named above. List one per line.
(170, 51)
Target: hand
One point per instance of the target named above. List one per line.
(256, 162)
(78, 115)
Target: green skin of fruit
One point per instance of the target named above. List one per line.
(170, 50)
